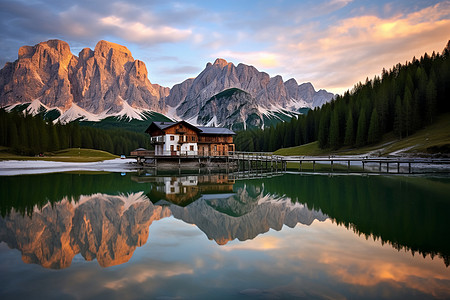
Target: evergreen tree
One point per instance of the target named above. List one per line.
(431, 100)
(54, 139)
(361, 132)
(374, 134)
(408, 112)
(13, 136)
(272, 140)
(335, 139)
(399, 118)
(324, 127)
(76, 136)
(349, 130)
(23, 137)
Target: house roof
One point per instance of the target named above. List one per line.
(165, 125)
(215, 130)
(200, 129)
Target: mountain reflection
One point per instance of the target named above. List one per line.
(110, 227)
(106, 216)
(103, 227)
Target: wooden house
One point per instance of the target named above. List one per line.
(183, 139)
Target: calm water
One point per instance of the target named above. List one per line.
(138, 236)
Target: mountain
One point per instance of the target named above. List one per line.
(224, 94)
(95, 84)
(109, 82)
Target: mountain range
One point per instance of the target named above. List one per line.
(109, 82)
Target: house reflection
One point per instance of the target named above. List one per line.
(183, 190)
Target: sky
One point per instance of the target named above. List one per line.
(331, 43)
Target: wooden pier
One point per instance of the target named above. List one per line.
(250, 161)
(257, 160)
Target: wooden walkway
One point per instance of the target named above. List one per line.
(248, 161)
(255, 160)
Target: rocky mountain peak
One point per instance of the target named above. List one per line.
(106, 49)
(259, 93)
(220, 62)
(85, 54)
(97, 81)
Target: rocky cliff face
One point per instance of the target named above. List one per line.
(268, 93)
(97, 81)
(231, 108)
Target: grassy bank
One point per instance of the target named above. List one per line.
(430, 140)
(66, 155)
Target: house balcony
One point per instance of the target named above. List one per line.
(157, 140)
(186, 139)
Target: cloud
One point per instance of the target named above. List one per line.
(331, 43)
(261, 59)
(350, 49)
(142, 33)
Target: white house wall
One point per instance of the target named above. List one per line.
(185, 148)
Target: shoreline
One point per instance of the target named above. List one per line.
(27, 167)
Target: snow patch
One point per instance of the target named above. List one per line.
(193, 121)
(75, 112)
(172, 113)
(129, 112)
(212, 122)
(297, 104)
(35, 107)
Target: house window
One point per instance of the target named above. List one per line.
(172, 138)
(178, 147)
(193, 138)
(192, 148)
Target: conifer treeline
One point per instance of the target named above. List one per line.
(406, 98)
(31, 135)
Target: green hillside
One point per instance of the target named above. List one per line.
(65, 155)
(433, 139)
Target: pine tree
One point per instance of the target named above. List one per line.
(431, 100)
(23, 135)
(324, 127)
(44, 137)
(361, 132)
(54, 138)
(76, 136)
(398, 118)
(374, 134)
(272, 140)
(408, 112)
(335, 139)
(13, 136)
(349, 139)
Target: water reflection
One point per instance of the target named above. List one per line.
(110, 227)
(106, 216)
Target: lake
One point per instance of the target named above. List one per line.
(224, 236)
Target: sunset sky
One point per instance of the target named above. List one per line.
(332, 44)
